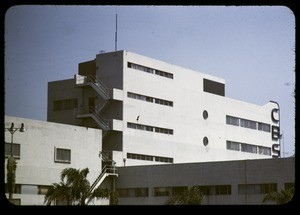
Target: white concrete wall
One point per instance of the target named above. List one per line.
(36, 165)
(185, 117)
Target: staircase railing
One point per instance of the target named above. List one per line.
(99, 86)
(106, 170)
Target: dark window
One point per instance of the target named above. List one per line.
(248, 148)
(214, 87)
(17, 188)
(263, 127)
(66, 104)
(178, 190)
(231, 120)
(248, 123)
(43, 189)
(248, 189)
(223, 189)
(62, 155)
(205, 190)
(161, 191)
(205, 114)
(141, 192)
(233, 145)
(264, 150)
(205, 141)
(267, 188)
(16, 148)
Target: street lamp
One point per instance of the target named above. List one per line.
(11, 161)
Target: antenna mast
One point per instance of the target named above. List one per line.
(116, 33)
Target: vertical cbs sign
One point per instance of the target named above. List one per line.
(275, 132)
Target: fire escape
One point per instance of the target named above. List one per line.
(106, 125)
(91, 112)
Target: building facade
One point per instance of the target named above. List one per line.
(243, 182)
(152, 112)
(44, 150)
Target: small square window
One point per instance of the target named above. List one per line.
(62, 155)
(15, 150)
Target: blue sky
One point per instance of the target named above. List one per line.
(251, 47)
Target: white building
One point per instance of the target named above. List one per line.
(44, 150)
(152, 112)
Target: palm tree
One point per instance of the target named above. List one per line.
(191, 196)
(74, 188)
(281, 197)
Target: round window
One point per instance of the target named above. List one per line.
(205, 141)
(205, 114)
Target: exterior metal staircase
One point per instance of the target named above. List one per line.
(98, 86)
(107, 170)
(96, 116)
(92, 112)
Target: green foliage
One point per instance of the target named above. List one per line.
(11, 176)
(281, 197)
(74, 188)
(191, 196)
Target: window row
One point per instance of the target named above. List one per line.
(29, 189)
(60, 155)
(244, 147)
(150, 128)
(149, 99)
(231, 120)
(149, 70)
(209, 190)
(246, 189)
(149, 158)
(66, 104)
(243, 189)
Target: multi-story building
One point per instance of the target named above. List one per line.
(46, 148)
(152, 112)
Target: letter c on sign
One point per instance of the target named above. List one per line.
(275, 118)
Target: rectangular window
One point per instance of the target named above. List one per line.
(149, 70)
(248, 148)
(223, 189)
(248, 123)
(62, 155)
(263, 127)
(29, 189)
(264, 150)
(205, 190)
(149, 158)
(43, 189)
(17, 188)
(162, 191)
(141, 192)
(214, 87)
(267, 188)
(126, 192)
(233, 145)
(230, 120)
(249, 189)
(66, 104)
(16, 148)
(178, 190)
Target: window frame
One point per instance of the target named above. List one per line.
(56, 160)
(7, 150)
